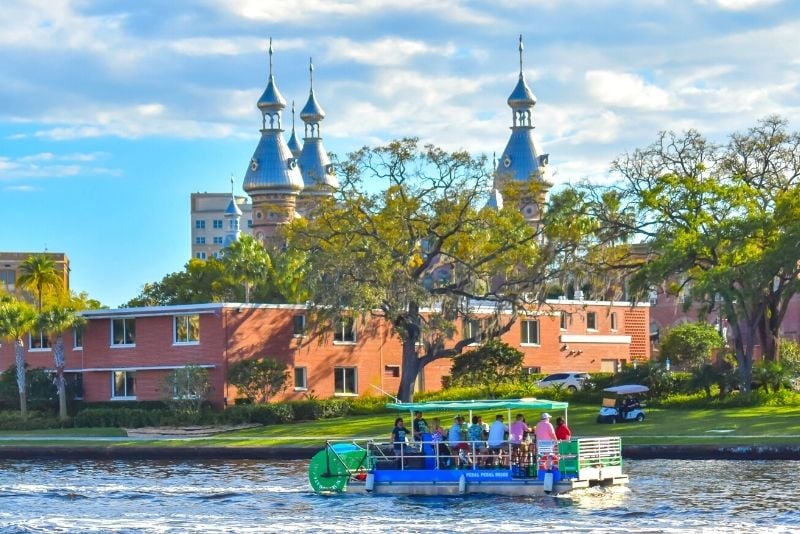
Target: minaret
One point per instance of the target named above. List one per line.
(521, 164)
(318, 174)
(232, 215)
(294, 144)
(273, 178)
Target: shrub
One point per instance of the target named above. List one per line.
(263, 414)
(369, 405)
(12, 420)
(121, 418)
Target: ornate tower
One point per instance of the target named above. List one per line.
(294, 144)
(232, 215)
(522, 165)
(273, 178)
(318, 174)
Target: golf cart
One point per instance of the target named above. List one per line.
(621, 404)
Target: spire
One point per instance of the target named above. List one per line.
(521, 48)
(294, 144)
(271, 102)
(521, 97)
(312, 112)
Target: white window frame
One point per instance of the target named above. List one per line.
(45, 345)
(592, 314)
(525, 332)
(124, 332)
(613, 319)
(75, 331)
(126, 395)
(200, 240)
(200, 224)
(304, 373)
(217, 223)
(563, 320)
(468, 326)
(218, 240)
(200, 255)
(344, 370)
(186, 320)
(303, 328)
(340, 331)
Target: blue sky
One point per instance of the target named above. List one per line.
(112, 112)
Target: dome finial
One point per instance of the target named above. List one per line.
(521, 48)
(311, 74)
(231, 184)
(292, 115)
(270, 56)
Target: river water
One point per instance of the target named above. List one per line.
(250, 496)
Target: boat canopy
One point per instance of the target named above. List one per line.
(487, 404)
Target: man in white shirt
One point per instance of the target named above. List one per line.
(497, 438)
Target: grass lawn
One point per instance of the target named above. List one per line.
(739, 426)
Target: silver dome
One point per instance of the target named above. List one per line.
(272, 167)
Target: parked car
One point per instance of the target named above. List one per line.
(570, 381)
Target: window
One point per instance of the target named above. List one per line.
(391, 371)
(123, 332)
(344, 380)
(187, 329)
(217, 240)
(344, 331)
(38, 340)
(591, 320)
(472, 329)
(531, 370)
(563, 320)
(75, 383)
(189, 383)
(249, 223)
(653, 296)
(530, 332)
(122, 385)
(614, 321)
(200, 255)
(77, 338)
(299, 325)
(218, 223)
(200, 240)
(200, 224)
(8, 277)
(300, 378)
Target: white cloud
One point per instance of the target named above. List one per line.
(625, 90)
(390, 51)
(21, 189)
(52, 165)
(739, 5)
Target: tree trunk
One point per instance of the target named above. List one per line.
(19, 352)
(410, 370)
(58, 356)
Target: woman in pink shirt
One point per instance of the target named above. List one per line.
(545, 432)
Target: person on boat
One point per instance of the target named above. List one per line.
(563, 433)
(419, 426)
(545, 434)
(516, 435)
(399, 436)
(476, 438)
(497, 438)
(456, 438)
(438, 436)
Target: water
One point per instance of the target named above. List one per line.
(248, 496)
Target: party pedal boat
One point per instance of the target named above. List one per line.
(431, 468)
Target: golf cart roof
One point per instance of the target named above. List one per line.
(487, 404)
(627, 389)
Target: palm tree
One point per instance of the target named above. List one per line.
(39, 273)
(55, 320)
(247, 261)
(16, 319)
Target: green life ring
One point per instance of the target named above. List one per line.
(329, 470)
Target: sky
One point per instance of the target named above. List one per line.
(112, 112)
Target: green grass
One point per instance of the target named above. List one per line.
(763, 425)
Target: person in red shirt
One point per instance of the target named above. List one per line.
(563, 432)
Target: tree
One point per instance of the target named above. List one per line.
(186, 389)
(17, 318)
(200, 281)
(721, 223)
(56, 319)
(407, 238)
(38, 273)
(247, 262)
(258, 379)
(691, 345)
(492, 364)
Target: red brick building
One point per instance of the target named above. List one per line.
(125, 354)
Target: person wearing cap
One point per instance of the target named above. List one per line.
(545, 433)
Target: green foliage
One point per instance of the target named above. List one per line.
(262, 414)
(490, 365)
(790, 356)
(121, 418)
(258, 379)
(186, 390)
(771, 375)
(34, 421)
(247, 262)
(200, 281)
(39, 276)
(698, 400)
(41, 393)
(311, 410)
(690, 345)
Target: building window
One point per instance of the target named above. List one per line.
(8, 277)
(299, 325)
(391, 371)
(187, 329)
(530, 332)
(218, 224)
(77, 338)
(249, 223)
(653, 296)
(75, 383)
(591, 320)
(300, 378)
(200, 255)
(200, 240)
(531, 370)
(122, 385)
(562, 320)
(200, 224)
(123, 331)
(344, 330)
(614, 321)
(38, 340)
(344, 380)
(217, 240)
(472, 329)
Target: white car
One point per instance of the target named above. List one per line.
(570, 381)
